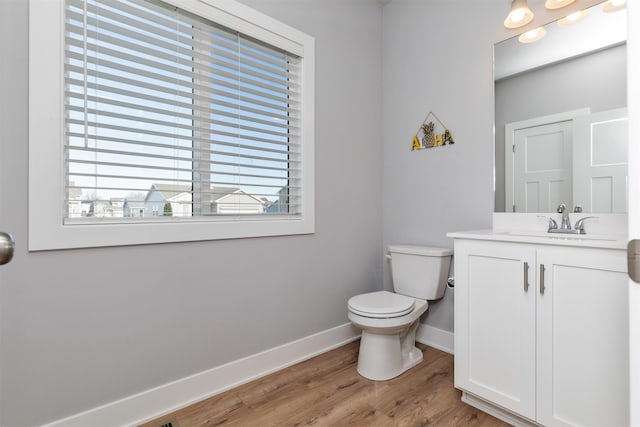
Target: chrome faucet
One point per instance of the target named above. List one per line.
(580, 224)
(553, 225)
(566, 222)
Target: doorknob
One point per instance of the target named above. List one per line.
(6, 247)
(633, 260)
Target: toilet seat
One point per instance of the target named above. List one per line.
(381, 304)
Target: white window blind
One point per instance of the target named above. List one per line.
(171, 115)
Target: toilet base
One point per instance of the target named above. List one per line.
(385, 356)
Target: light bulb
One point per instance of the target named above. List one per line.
(574, 16)
(532, 35)
(517, 15)
(557, 4)
(614, 5)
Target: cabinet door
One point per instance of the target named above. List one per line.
(583, 355)
(495, 323)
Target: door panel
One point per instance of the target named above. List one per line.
(498, 344)
(542, 162)
(538, 162)
(600, 161)
(583, 339)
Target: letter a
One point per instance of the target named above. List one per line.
(447, 137)
(415, 145)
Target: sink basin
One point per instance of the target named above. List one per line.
(559, 236)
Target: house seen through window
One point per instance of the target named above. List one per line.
(169, 115)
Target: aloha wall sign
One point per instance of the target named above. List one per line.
(432, 133)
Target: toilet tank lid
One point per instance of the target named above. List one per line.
(420, 250)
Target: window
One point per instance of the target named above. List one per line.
(171, 121)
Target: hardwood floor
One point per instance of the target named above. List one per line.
(327, 391)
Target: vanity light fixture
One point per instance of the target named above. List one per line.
(557, 4)
(614, 5)
(533, 35)
(519, 16)
(573, 18)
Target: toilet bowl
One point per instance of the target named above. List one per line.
(389, 320)
(387, 344)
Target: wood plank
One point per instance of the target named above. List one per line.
(327, 391)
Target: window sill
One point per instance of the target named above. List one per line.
(110, 233)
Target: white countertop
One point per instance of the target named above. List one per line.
(603, 241)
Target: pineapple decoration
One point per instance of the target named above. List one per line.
(428, 137)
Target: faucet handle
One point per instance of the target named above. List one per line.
(552, 222)
(561, 208)
(580, 223)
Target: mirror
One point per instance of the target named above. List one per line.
(560, 117)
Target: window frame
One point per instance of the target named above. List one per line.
(46, 140)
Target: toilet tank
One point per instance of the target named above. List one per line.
(420, 271)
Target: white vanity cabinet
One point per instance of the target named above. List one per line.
(495, 323)
(541, 332)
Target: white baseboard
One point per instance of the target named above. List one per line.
(435, 337)
(153, 403)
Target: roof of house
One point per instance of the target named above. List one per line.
(218, 193)
(237, 192)
(168, 190)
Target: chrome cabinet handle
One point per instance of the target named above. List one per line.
(526, 276)
(541, 279)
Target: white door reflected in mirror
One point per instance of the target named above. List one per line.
(600, 161)
(575, 158)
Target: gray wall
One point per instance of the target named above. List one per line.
(433, 62)
(437, 56)
(597, 81)
(81, 328)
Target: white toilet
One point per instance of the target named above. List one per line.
(389, 320)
